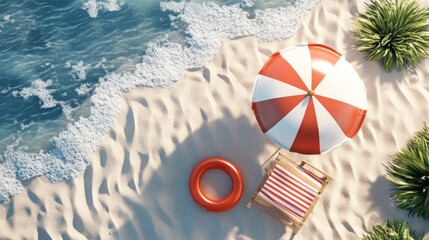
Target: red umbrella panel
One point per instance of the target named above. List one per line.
(309, 99)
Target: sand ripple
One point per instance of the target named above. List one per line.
(136, 187)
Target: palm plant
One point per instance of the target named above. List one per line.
(393, 230)
(409, 174)
(396, 32)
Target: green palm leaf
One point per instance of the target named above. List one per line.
(393, 230)
(408, 172)
(395, 32)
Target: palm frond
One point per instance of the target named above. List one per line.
(395, 32)
(408, 172)
(393, 230)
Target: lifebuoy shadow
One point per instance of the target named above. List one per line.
(168, 208)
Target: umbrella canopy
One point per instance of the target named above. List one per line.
(309, 99)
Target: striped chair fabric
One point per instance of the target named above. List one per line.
(289, 193)
(290, 190)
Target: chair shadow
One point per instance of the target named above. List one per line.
(168, 210)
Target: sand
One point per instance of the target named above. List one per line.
(137, 185)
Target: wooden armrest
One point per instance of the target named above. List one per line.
(305, 166)
(304, 171)
(324, 175)
(299, 173)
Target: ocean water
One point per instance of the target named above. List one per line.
(64, 65)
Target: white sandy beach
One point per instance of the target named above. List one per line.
(137, 185)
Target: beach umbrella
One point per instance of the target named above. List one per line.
(309, 99)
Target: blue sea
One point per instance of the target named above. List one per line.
(64, 65)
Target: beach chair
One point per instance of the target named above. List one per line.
(289, 190)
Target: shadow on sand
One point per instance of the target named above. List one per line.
(380, 197)
(370, 67)
(168, 211)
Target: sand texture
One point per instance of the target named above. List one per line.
(137, 185)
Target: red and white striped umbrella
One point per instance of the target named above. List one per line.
(309, 99)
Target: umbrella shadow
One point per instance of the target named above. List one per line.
(168, 210)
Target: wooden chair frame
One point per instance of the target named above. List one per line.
(293, 166)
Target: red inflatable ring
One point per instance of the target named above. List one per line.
(211, 204)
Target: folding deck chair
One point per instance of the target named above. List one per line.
(290, 190)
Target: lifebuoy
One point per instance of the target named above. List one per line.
(214, 205)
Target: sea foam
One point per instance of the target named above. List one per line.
(162, 65)
(40, 89)
(93, 6)
(83, 89)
